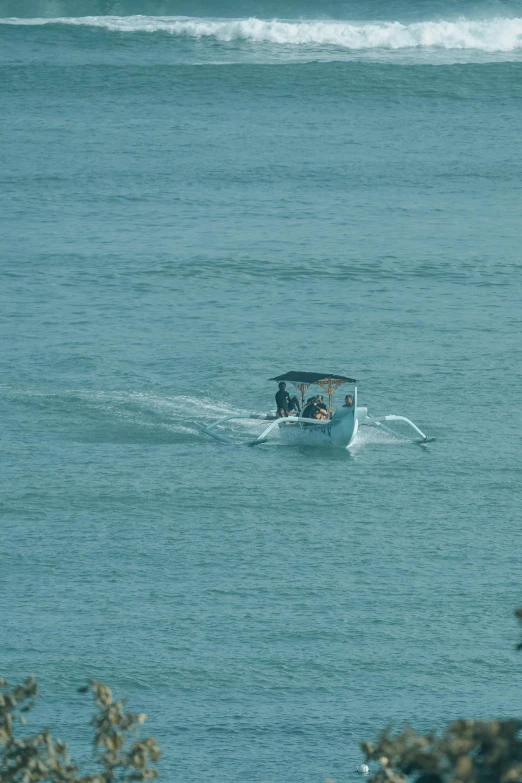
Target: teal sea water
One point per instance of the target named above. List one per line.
(197, 197)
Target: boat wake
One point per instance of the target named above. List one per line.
(96, 416)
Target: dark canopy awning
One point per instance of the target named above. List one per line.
(313, 377)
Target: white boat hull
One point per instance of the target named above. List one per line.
(340, 431)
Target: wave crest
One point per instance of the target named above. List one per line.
(498, 34)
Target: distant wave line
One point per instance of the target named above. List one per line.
(498, 34)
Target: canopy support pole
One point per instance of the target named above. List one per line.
(302, 388)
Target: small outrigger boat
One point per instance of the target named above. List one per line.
(340, 428)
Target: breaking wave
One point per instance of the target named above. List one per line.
(499, 34)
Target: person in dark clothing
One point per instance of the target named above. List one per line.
(348, 401)
(311, 411)
(285, 403)
(321, 407)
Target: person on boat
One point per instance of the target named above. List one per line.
(311, 410)
(348, 401)
(285, 403)
(322, 410)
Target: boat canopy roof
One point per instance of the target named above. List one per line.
(313, 377)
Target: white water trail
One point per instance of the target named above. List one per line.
(138, 412)
(497, 34)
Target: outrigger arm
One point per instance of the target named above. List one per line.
(262, 437)
(281, 423)
(228, 418)
(391, 417)
(208, 430)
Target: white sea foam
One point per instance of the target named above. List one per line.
(498, 34)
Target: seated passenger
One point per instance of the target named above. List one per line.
(285, 403)
(348, 401)
(311, 411)
(322, 410)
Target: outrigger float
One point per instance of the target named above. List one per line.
(340, 429)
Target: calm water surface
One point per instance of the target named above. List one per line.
(188, 210)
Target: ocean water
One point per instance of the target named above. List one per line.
(195, 198)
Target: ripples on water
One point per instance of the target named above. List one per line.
(173, 236)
